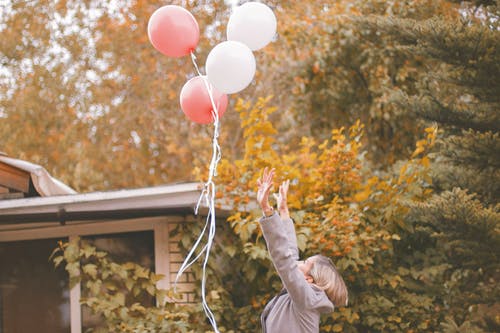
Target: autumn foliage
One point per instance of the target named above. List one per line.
(340, 207)
(344, 104)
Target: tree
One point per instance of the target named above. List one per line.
(102, 101)
(333, 74)
(455, 240)
(84, 76)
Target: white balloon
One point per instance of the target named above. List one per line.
(253, 24)
(230, 67)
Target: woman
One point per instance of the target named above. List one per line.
(311, 287)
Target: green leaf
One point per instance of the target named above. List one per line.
(88, 251)
(58, 260)
(73, 268)
(56, 250)
(94, 287)
(72, 252)
(141, 272)
(302, 241)
(129, 283)
(123, 313)
(151, 289)
(91, 270)
(119, 299)
(74, 280)
(156, 277)
(230, 250)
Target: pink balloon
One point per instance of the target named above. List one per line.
(195, 100)
(173, 31)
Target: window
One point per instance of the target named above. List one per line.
(137, 247)
(34, 297)
(45, 298)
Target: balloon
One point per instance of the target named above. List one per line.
(230, 67)
(173, 31)
(253, 24)
(195, 100)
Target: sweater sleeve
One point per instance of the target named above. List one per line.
(285, 261)
(289, 228)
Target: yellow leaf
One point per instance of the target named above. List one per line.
(402, 173)
(425, 161)
(417, 151)
(363, 195)
(337, 328)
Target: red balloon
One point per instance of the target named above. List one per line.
(195, 100)
(173, 31)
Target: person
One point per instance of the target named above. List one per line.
(311, 287)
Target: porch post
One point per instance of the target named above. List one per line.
(75, 307)
(162, 255)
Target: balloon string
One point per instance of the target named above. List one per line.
(193, 59)
(208, 193)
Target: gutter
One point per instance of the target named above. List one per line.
(123, 204)
(62, 216)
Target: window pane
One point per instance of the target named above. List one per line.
(136, 247)
(34, 296)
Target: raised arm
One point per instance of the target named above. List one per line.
(288, 227)
(286, 264)
(276, 234)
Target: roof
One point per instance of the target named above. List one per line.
(30, 179)
(121, 204)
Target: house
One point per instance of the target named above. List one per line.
(36, 211)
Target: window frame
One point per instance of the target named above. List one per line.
(160, 225)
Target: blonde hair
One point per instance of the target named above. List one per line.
(327, 278)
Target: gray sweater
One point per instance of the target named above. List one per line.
(298, 307)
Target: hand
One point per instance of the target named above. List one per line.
(265, 183)
(281, 199)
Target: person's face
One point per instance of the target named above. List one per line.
(305, 267)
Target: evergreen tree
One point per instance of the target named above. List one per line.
(339, 76)
(453, 246)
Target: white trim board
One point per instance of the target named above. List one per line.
(184, 195)
(84, 229)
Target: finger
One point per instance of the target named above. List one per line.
(283, 188)
(265, 176)
(286, 185)
(269, 188)
(277, 197)
(270, 175)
